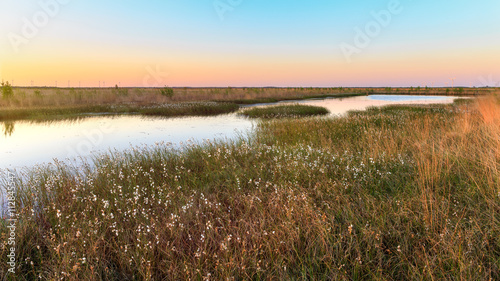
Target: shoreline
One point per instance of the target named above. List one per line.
(30, 103)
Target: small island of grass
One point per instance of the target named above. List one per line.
(285, 111)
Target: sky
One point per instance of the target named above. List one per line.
(252, 43)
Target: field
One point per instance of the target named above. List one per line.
(393, 193)
(58, 103)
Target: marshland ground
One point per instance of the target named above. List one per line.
(52, 103)
(392, 193)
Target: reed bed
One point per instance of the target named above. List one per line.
(394, 193)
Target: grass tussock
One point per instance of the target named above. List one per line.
(284, 111)
(394, 193)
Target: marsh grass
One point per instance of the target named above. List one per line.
(295, 97)
(167, 110)
(284, 111)
(190, 109)
(51, 97)
(393, 193)
(68, 101)
(67, 97)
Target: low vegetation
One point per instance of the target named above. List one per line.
(394, 193)
(57, 103)
(7, 92)
(167, 110)
(190, 109)
(284, 111)
(295, 97)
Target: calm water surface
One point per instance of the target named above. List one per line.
(26, 143)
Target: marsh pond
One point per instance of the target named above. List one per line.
(27, 143)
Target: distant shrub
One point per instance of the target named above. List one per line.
(121, 91)
(167, 92)
(7, 91)
(38, 94)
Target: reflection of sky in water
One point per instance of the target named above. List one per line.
(32, 143)
(342, 106)
(25, 143)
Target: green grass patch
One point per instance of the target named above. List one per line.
(284, 111)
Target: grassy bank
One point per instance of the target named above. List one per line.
(284, 111)
(296, 97)
(396, 193)
(52, 103)
(190, 109)
(67, 97)
(167, 110)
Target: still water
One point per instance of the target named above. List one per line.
(24, 143)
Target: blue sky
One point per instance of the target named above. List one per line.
(254, 43)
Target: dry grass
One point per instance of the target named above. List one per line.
(398, 193)
(53, 103)
(43, 97)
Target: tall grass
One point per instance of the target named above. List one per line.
(395, 193)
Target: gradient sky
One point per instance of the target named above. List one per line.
(249, 43)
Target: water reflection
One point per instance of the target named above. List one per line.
(8, 128)
(41, 142)
(35, 142)
(342, 106)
